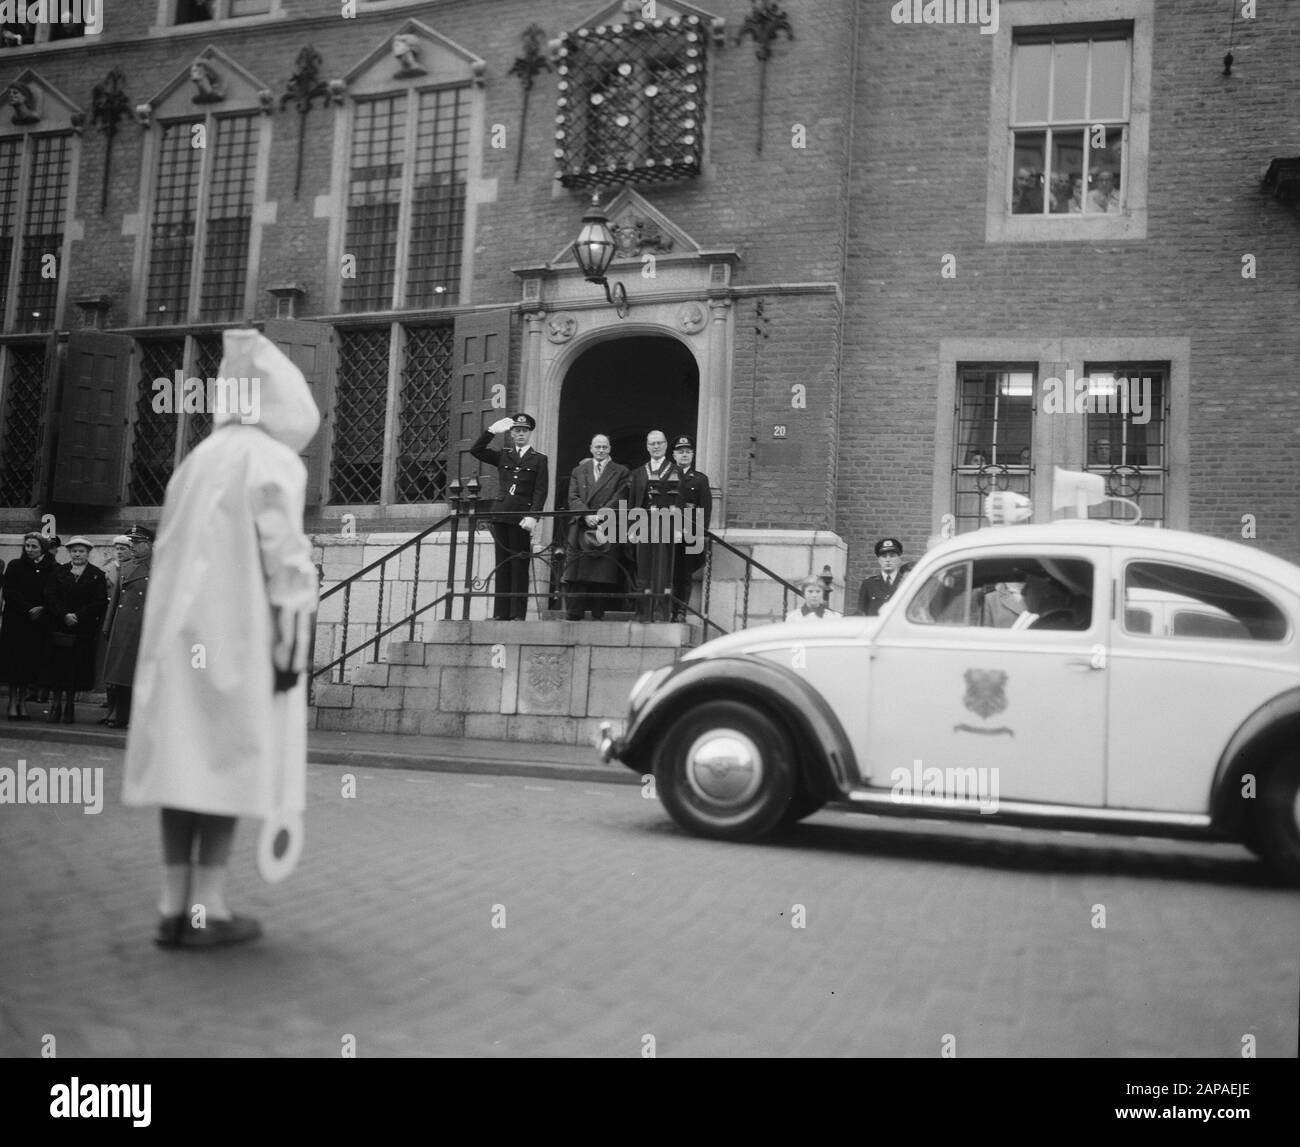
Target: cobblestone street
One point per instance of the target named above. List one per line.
(618, 927)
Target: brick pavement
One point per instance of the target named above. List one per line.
(619, 926)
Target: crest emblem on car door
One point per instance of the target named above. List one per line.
(986, 695)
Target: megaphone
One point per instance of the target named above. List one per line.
(1081, 490)
(1007, 508)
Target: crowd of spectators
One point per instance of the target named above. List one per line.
(67, 627)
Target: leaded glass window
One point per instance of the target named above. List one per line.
(995, 420)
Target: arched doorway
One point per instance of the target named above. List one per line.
(625, 388)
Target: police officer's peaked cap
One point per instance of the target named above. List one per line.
(683, 442)
(140, 534)
(524, 421)
(888, 546)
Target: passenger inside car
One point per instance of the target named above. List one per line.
(1049, 605)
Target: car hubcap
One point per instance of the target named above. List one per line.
(724, 767)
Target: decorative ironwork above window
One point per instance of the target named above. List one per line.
(631, 102)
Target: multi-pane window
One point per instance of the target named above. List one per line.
(212, 183)
(995, 413)
(196, 11)
(432, 128)
(423, 397)
(1127, 411)
(33, 211)
(20, 431)
(153, 445)
(1070, 98)
(631, 103)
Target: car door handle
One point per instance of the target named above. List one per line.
(1085, 663)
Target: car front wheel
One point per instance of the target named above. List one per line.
(1277, 830)
(725, 770)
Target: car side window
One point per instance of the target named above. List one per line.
(1020, 592)
(1178, 601)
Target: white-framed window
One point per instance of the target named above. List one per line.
(1069, 119)
(1012, 410)
(1069, 122)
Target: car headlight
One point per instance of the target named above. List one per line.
(646, 684)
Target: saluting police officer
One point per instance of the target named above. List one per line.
(524, 476)
(879, 588)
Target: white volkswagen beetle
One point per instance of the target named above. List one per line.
(1029, 674)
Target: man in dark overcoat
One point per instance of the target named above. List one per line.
(76, 600)
(591, 567)
(524, 477)
(696, 501)
(126, 618)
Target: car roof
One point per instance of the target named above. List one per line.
(1159, 542)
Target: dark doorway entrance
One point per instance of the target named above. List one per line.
(625, 388)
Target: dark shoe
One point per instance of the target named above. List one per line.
(169, 931)
(597, 616)
(104, 721)
(575, 617)
(221, 933)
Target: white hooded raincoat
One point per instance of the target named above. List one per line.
(209, 733)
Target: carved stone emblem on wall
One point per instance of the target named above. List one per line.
(633, 237)
(406, 51)
(690, 317)
(561, 328)
(546, 674)
(208, 86)
(25, 99)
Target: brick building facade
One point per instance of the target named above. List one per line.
(848, 299)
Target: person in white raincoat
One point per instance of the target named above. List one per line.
(220, 687)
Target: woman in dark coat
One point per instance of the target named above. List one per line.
(23, 627)
(77, 599)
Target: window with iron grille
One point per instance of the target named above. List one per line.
(424, 422)
(631, 103)
(1127, 420)
(213, 183)
(32, 226)
(153, 447)
(995, 419)
(20, 432)
(208, 351)
(431, 231)
(1069, 122)
(360, 408)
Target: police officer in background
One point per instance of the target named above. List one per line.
(879, 588)
(126, 621)
(524, 480)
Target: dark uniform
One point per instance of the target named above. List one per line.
(693, 494)
(126, 619)
(876, 590)
(525, 480)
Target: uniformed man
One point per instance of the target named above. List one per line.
(879, 588)
(524, 477)
(127, 614)
(693, 495)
